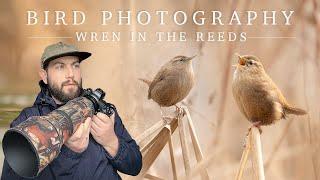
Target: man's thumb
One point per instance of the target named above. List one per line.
(87, 124)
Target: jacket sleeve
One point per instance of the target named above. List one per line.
(128, 159)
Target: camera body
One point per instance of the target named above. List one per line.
(96, 97)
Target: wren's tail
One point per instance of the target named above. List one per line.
(293, 110)
(145, 81)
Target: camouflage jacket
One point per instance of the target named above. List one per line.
(94, 163)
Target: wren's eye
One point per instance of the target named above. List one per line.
(250, 62)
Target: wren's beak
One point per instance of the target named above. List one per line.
(241, 60)
(190, 58)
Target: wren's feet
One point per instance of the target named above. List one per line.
(180, 112)
(164, 118)
(244, 142)
(256, 124)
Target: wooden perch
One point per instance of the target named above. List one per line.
(173, 162)
(159, 135)
(253, 145)
(257, 153)
(244, 158)
(153, 148)
(153, 152)
(150, 131)
(195, 142)
(184, 146)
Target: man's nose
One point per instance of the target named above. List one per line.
(70, 73)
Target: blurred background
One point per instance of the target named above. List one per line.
(290, 147)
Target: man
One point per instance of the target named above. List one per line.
(100, 147)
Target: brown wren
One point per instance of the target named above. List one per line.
(173, 82)
(257, 96)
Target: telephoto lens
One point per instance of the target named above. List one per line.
(30, 146)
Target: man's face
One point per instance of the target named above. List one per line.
(64, 78)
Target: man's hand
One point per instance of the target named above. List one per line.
(79, 141)
(102, 130)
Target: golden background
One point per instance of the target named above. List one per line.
(293, 64)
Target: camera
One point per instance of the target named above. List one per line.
(30, 146)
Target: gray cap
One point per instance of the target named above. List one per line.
(61, 49)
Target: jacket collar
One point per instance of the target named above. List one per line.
(44, 96)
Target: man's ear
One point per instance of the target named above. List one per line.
(43, 75)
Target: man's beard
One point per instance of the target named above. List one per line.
(58, 93)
